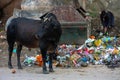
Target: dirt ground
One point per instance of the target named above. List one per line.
(92, 72)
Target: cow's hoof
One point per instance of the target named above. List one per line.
(51, 70)
(19, 67)
(10, 67)
(45, 72)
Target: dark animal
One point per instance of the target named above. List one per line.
(44, 34)
(107, 19)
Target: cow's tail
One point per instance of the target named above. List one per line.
(8, 22)
(11, 28)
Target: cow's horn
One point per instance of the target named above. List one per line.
(45, 19)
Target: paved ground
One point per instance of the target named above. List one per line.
(88, 73)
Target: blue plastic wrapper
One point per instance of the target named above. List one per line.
(84, 59)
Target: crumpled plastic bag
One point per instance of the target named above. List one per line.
(98, 42)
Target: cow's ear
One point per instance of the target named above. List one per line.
(36, 36)
(41, 17)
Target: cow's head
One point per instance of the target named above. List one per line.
(50, 26)
(50, 21)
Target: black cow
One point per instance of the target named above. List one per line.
(43, 34)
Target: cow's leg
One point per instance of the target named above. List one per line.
(19, 48)
(10, 41)
(50, 62)
(51, 55)
(10, 49)
(43, 48)
(44, 57)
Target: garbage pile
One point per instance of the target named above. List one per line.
(101, 51)
(104, 50)
(33, 60)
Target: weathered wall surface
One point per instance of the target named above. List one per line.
(63, 9)
(7, 7)
(93, 6)
(33, 6)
